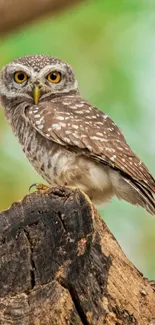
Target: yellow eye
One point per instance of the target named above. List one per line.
(20, 77)
(54, 77)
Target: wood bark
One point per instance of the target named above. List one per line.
(60, 265)
(16, 13)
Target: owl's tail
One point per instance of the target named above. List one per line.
(140, 195)
(132, 191)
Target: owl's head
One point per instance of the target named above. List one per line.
(35, 78)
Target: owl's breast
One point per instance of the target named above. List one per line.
(51, 160)
(60, 165)
(42, 153)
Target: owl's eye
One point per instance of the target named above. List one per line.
(20, 77)
(54, 77)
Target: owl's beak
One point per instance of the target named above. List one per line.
(36, 93)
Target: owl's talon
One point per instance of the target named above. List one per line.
(39, 187)
(31, 186)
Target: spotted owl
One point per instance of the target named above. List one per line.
(67, 140)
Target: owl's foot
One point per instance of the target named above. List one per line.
(39, 187)
(43, 187)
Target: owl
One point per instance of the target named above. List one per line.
(67, 140)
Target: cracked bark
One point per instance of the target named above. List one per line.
(60, 265)
(17, 13)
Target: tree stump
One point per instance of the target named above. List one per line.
(60, 265)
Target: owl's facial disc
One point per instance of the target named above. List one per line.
(28, 83)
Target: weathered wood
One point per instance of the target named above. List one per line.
(59, 265)
(17, 13)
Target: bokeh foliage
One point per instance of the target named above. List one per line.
(111, 45)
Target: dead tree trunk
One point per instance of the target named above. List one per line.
(59, 265)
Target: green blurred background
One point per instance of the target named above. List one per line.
(111, 45)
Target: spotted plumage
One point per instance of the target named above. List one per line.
(67, 140)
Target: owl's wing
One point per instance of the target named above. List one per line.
(74, 123)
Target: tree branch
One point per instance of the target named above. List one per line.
(17, 13)
(59, 265)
